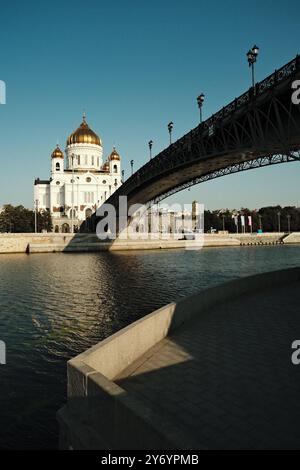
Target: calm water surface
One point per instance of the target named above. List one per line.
(54, 306)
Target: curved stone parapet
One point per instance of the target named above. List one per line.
(149, 385)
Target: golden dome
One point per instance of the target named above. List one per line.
(84, 135)
(114, 155)
(57, 153)
(105, 166)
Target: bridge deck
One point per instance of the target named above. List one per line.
(226, 380)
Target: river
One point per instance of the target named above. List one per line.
(54, 306)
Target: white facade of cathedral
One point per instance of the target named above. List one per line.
(80, 182)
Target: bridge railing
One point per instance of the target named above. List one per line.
(285, 72)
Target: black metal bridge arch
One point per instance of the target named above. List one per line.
(260, 128)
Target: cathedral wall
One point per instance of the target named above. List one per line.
(86, 156)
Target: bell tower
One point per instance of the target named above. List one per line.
(115, 163)
(57, 161)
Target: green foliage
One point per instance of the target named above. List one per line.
(18, 219)
(266, 217)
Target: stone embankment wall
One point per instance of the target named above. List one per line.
(81, 242)
(21, 242)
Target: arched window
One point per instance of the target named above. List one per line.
(115, 168)
(88, 213)
(65, 228)
(57, 166)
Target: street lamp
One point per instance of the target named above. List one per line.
(150, 143)
(123, 174)
(35, 214)
(131, 164)
(289, 223)
(279, 225)
(200, 101)
(72, 204)
(252, 58)
(223, 217)
(170, 128)
(260, 221)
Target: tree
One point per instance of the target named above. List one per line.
(267, 217)
(44, 221)
(21, 220)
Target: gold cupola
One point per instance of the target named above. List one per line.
(84, 135)
(57, 153)
(114, 155)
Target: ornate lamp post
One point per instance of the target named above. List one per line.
(279, 225)
(289, 222)
(150, 144)
(200, 101)
(36, 208)
(170, 128)
(131, 164)
(72, 204)
(252, 58)
(223, 217)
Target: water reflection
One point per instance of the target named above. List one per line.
(56, 306)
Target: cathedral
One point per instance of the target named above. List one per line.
(80, 181)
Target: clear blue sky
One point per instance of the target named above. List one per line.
(134, 66)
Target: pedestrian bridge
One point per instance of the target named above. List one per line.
(259, 128)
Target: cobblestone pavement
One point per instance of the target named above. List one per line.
(226, 380)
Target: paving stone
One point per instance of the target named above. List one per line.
(227, 378)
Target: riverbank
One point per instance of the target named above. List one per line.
(196, 374)
(85, 242)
